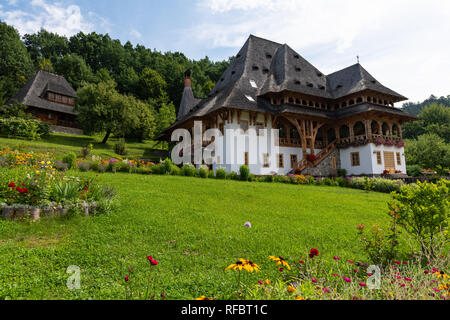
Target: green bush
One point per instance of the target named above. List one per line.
(211, 174)
(166, 166)
(221, 174)
(342, 172)
(422, 210)
(175, 170)
(414, 170)
(120, 147)
(18, 127)
(188, 170)
(232, 176)
(156, 169)
(244, 173)
(203, 172)
(83, 166)
(71, 160)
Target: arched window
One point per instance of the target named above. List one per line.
(331, 134)
(282, 131)
(294, 133)
(385, 128)
(359, 100)
(375, 127)
(344, 132)
(395, 131)
(359, 129)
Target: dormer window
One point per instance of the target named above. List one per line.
(268, 56)
(297, 82)
(255, 68)
(298, 69)
(54, 97)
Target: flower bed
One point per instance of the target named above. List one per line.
(27, 192)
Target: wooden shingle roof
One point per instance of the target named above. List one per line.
(32, 94)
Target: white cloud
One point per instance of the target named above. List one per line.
(54, 17)
(403, 43)
(135, 34)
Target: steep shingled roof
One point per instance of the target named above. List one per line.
(32, 93)
(264, 66)
(355, 79)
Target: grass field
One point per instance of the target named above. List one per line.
(61, 144)
(193, 227)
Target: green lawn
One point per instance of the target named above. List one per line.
(61, 144)
(194, 227)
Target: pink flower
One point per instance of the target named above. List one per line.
(436, 290)
(314, 281)
(402, 285)
(347, 279)
(362, 284)
(350, 261)
(281, 269)
(369, 274)
(405, 262)
(397, 262)
(127, 278)
(326, 290)
(408, 279)
(335, 274)
(355, 270)
(261, 282)
(426, 272)
(336, 258)
(394, 268)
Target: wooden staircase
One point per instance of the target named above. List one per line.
(322, 155)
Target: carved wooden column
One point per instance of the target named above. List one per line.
(368, 124)
(337, 133)
(352, 131)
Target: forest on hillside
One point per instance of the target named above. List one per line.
(141, 78)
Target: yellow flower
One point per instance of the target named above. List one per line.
(280, 261)
(239, 265)
(291, 289)
(267, 282)
(250, 266)
(203, 298)
(37, 172)
(300, 298)
(441, 275)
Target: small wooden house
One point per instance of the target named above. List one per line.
(50, 98)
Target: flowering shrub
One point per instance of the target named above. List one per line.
(311, 158)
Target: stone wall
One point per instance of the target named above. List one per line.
(59, 129)
(325, 168)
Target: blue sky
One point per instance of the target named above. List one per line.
(403, 43)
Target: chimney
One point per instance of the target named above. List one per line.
(187, 79)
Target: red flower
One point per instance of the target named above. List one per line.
(405, 262)
(350, 261)
(281, 269)
(314, 281)
(313, 253)
(301, 261)
(397, 262)
(150, 258)
(426, 272)
(336, 258)
(127, 278)
(408, 279)
(362, 284)
(355, 270)
(154, 262)
(12, 185)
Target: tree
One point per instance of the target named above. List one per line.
(151, 85)
(433, 119)
(102, 109)
(74, 69)
(15, 63)
(47, 45)
(428, 151)
(165, 116)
